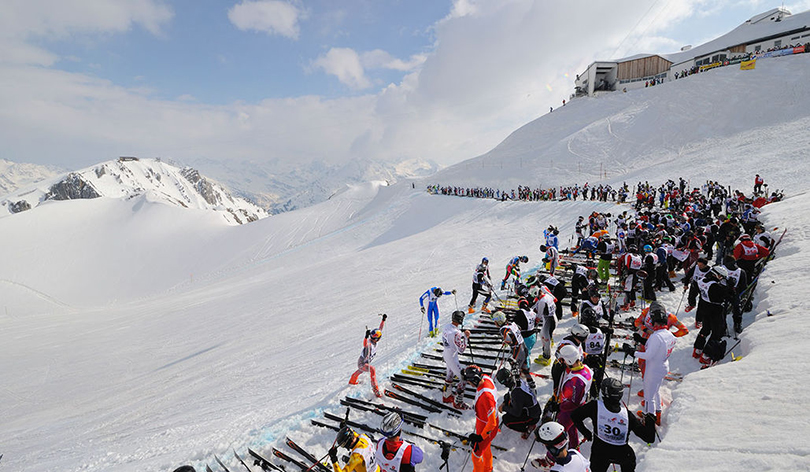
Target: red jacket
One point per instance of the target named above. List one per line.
(750, 251)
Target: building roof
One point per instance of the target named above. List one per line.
(776, 22)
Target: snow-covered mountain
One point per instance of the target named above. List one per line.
(14, 175)
(127, 178)
(280, 186)
(138, 336)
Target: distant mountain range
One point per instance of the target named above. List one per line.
(126, 178)
(273, 186)
(279, 187)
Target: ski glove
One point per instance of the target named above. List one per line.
(384, 317)
(587, 435)
(423, 310)
(333, 454)
(639, 339)
(689, 308)
(628, 349)
(453, 291)
(368, 333)
(475, 438)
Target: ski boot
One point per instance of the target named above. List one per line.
(528, 432)
(737, 327)
(471, 309)
(697, 353)
(458, 403)
(543, 360)
(484, 309)
(377, 392)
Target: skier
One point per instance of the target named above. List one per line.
(560, 457)
(611, 428)
(367, 355)
(545, 308)
(628, 266)
(579, 333)
(646, 328)
(557, 289)
(519, 407)
(454, 341)
(710, 308)
(758, 181)
(747, 253)
(481, 283)
(552, 258)
(486, 418)
(393, 454)
(655, 354)
(550, 236)
(432, 296)
(573, 390)
(513, 268)
(518, 354)
(582, 278)
(580, 228)
(737, 282)
(649, 267)
(605, 250)
(362, 458)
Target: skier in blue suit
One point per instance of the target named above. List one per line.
(432, 296)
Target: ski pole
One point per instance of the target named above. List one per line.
(528, 454)
(456, 300)
(680, 303)
(421, 322)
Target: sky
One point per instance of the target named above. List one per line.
(84, 81)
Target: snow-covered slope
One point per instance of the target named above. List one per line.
(145, 336)
(722, 116)
(130, 178)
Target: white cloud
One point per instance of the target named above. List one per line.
(269, 16)
(25, 18)
(344, 63)
(490, 72)
(379, 59)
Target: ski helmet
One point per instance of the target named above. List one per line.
(612, 391)
(647, 248)
(472, 374)
(524, 258)
(499, 318)
(553, 436)
(569, 355)
(391, 424)
(745, 237)
(720, 271)
(508, 336)
(437, 291)
(592, 274)
(485, 261)
(346, 438)
(580, 331)
(522, 290)
(534, 292)
(504, 376)
(588, 317)
(593, 292)
(658, 314)
(523, 304)
(458, 316)
(531, 280)
(632, 248)
(375, 335)
(543, 248)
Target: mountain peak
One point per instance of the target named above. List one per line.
(131, 177)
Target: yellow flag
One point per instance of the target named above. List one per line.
(748, 65)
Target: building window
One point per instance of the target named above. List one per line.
(777, 44)
(757, 48)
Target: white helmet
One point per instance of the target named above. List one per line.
(534, 292)
(499, 318)
(580, 331)
(552, 434)
(569, 354)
